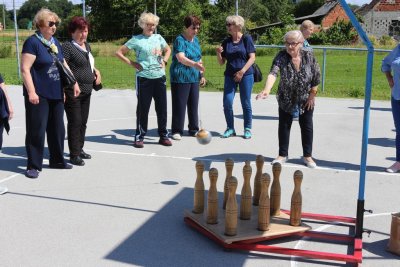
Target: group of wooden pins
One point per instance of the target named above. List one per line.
(267, 206)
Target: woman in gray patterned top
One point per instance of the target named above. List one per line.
(298, 86)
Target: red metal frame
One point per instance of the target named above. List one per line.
(252, 244)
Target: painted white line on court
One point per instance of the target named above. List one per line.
(11, 177)
(302, 241)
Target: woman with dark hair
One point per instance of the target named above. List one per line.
(43, 94)
(81, 61)
(186, 73)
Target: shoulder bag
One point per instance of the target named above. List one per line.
(257, 71)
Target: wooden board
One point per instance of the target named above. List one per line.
(247, 229)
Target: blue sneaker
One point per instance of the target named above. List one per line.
(228, 133)
(247, 133)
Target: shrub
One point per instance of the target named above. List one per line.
(5, 50)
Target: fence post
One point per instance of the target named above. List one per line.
(323, 69)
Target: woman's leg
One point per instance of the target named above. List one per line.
(56, 132)
(160, 102)
(246, 87)
(180, 95)
(144, 92)
(307, 134)
(193, 108)
(285, 124)
(85, 106)
(73, 111)
(36, 118)
(229, 94)
(396, 119)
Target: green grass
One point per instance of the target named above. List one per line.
(345, 73)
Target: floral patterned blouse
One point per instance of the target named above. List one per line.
(294, 86)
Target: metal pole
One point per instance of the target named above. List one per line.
(237, 7)
(4, 17)
(83, 9)
(155, 11)
(323, 69)
(16, 40)
(367, 104)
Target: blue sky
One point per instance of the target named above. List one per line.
(18, 3)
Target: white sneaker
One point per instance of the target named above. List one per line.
(309, 164)
(176, 136)
(279, 160)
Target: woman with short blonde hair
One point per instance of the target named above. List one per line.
(44, 95)
(43, 15)
(148, 18)
(152, 54)
(239, 53)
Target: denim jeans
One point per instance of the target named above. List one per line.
(396, 119)
(245, 89)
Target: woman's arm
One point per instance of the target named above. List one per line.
(10, 107)
(267, 88)
(77, 90)
(220, 59)
(389, 78)
(98, 76)
(27, 61)
(167, 54)
(188, 62)
(121, 52)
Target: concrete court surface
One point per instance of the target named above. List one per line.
(125, 206)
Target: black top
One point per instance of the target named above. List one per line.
(78, 61)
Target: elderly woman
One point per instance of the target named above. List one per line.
(391, 69)
(152, 53)
(44, 96)
(298, 86)
(307, 28)
(81, 61)
(186, 73)
(238, 52)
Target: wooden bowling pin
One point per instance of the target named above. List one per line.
(245, 199)
(295, 206)
(198, 206)
(264, 204)
(229, 167)
(257, 179)
(231, 211)
(276, 190)
(212, 199)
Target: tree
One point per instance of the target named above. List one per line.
(29, 9)
(307, 7)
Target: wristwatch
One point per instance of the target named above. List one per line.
(165, 62)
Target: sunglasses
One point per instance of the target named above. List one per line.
(195, 28)
(229, 24)
(52, 23)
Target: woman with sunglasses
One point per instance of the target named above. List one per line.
(186, 73)
(43, 94)
(152, 53)
(239, 54)
(78, 55)
(298, 86)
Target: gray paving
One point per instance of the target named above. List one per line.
(125, 206)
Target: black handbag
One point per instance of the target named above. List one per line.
(257, 73)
